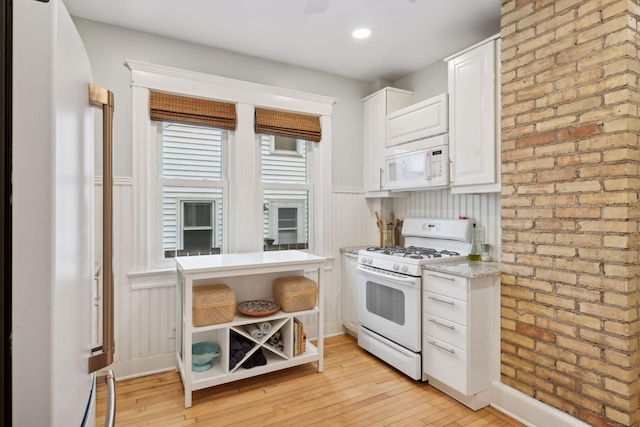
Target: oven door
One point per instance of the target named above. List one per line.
(389, 304)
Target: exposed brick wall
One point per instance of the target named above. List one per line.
(570, 182)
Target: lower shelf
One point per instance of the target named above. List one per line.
(216, 376)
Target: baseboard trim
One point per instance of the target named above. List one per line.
(142, 367)
(529, 411)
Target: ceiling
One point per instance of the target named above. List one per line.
(406, 35)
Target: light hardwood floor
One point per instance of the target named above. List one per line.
(355, 389)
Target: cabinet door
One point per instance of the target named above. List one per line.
(374, 133)
(349, 292)
(472, 80)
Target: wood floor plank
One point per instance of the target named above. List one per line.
(355, 389)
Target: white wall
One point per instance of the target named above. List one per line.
(425, 83)
(108, 46)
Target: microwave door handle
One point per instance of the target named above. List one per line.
(429, 159)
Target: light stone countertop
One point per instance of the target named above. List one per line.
(354, 249)
(466, 268)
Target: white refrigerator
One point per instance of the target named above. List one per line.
(52, 220)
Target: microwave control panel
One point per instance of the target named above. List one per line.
(437, 163)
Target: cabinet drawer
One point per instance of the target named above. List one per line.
(446, 284)
(445, 363)
(442, 329)
(446, 307)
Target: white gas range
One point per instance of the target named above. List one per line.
(390, 288)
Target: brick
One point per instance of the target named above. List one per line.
(603, 283)
(577, 24)
(623, 184)
(509, 156)
(608, 255)
(608, 397)
(604, 340)
(517, 178)
(557, 175)
(576, 212)
(618, 155)
(556, 402)
(556, 276)
(607, 312)
(555, 225)
(605, 28)
(557, 327)
(534, 213)
(555, 21)
(557, 353)
(535, 333)
(578, 265)
(535, 188)
(579, 320)
(555, 301)
(516, 15)
(517, 339)
(533, 92)
(555, 200)
(578, 346)
(535, 284)
(555, 150)
(517, 292)
(582, 130)
(580, 399)
(579, 239)
(607, 55)
(607, 198)
(607, 112)
(507, 324)
(579, 105)
(536, 308)
(619, 299)
(536, 164)
(583, 77)
(578, 186)
(618, 387)
(536, 67)
(578, 293)
(517, 224)
(556, 123)
(536, 358)
(519, 270)
(618, 417)
(622, 95)
(616, 241)
(523, 388)
(556, 377)
(536, 382)
(594, 420)
(578, 159)
(605, 226)
(507, 371)
(555, 73)
(536, 139)
(607, 142)
(620, 359)
(578, 373)
(515, 202)
(558, 97)
(554, 250)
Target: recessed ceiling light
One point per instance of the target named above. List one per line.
(361, 33)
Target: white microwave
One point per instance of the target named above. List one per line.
(418, 165)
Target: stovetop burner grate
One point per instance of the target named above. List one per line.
(412, 252)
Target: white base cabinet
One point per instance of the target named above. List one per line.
(350, 293)
(250, 275)
(474, 134)
(457, 335)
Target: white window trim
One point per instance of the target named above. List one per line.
(145, 76)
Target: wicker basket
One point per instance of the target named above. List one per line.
(213, 304)
(295, 293)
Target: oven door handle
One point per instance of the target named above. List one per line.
(408, 281)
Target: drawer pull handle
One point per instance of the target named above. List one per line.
(442, 324)
(442, 348)
(442, 277)
(442, 301)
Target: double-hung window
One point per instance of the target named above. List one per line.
(286, 191)
(190, 188)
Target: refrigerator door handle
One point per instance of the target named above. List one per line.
(110, 380)
(102, 357)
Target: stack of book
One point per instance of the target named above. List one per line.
(299, 338)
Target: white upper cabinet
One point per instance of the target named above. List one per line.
(473, 118)
(418, 121)
(376, 108)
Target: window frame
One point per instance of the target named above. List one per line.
(180, 229)
(246, 95)
(274, 226)
(275, 151)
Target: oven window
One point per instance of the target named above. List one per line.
(385, 302)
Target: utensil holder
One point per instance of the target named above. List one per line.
(387, 238)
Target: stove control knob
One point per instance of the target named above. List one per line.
(369, 261)
(405, 268)
(396, 266)
(363, 260)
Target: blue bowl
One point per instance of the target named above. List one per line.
(203, 352)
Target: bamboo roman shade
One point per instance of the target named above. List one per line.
(283, 123)
(192, 111)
